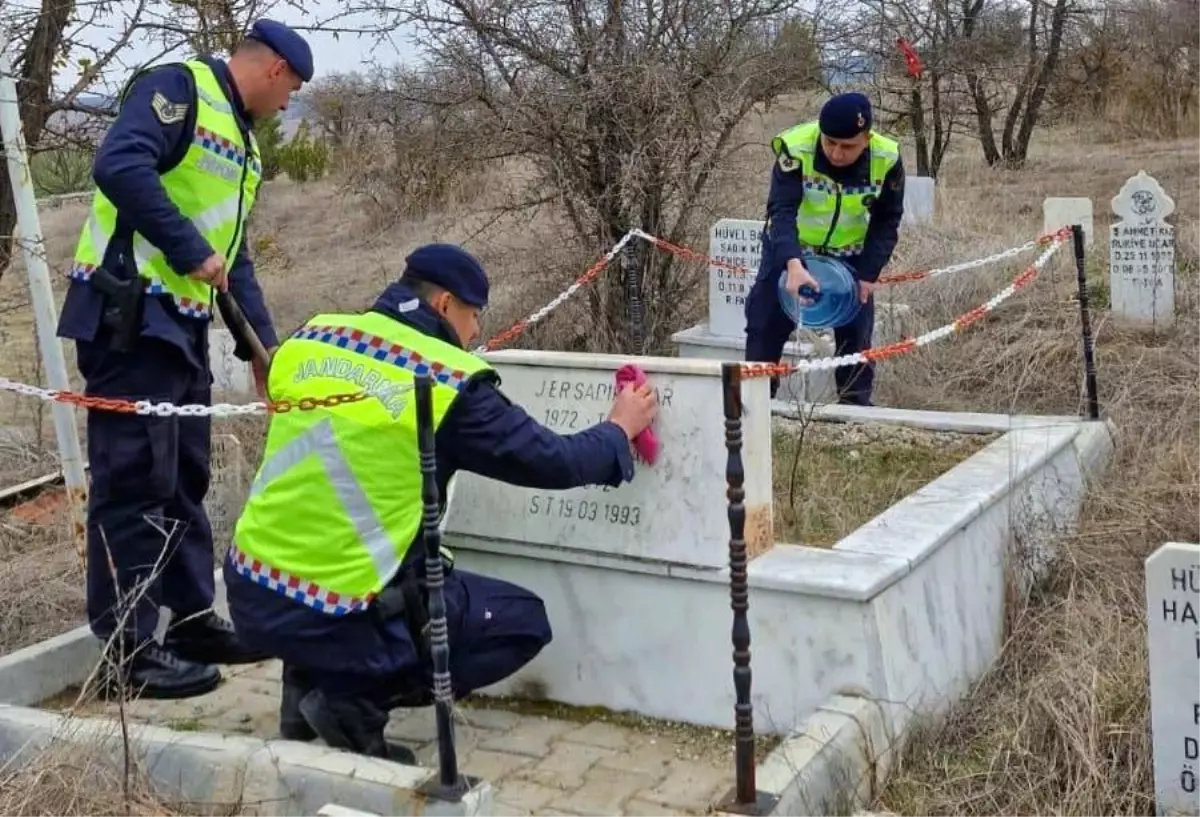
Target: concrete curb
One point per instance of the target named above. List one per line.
(834, 763)
(274, 777)
(42, 670)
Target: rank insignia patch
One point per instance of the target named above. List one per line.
(166, 111)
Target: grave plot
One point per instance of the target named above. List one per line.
(895, 616)
(906, 606)
(830, 478)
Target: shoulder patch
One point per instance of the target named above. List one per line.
(166, 111)
(786, 163)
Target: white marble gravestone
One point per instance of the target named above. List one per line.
(229, 374)
(1064, 211)
(1142, 254)
(1173, 629)
(229, 486)
(732, 241)
(919, 195)
(672, 511)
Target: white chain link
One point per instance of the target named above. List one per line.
(933, 335)
(166, 409)
(983, 262)
(575, 286)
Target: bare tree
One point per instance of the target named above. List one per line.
(991, 28)
(43, 36)
(621, 111)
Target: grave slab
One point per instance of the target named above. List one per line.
(1064, 211)
(920, 193)
(230, 485)
(1173, 630)
(1142, 254)
(666, 512)
(804, 387)
(732, 241)
(229, 373)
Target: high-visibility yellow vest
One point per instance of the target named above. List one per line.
(214, 186)
(336, 503)
(833, 218)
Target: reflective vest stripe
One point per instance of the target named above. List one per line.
(383, 350)
(295, 588)
(320, 440)
(227, 210)
(218, 104)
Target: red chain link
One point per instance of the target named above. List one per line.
(518, 328)
(122, 406)
(749, 370)
(878, 353)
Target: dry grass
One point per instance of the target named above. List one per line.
(42, 575)
(831, 478)
(69, 778)
(1060, 724)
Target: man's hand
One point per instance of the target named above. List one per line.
(634, 409)
(865, 289)
(798, 276)
(213, 272)
(260, 373)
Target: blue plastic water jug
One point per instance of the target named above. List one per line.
(835, 305)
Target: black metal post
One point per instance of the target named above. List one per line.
(631, 262)
(1085, 325)
(452, 785)
(744, 798)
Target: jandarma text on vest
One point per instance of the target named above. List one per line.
(385, 390)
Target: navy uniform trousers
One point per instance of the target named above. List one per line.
(768, 329)
(149, 476)
(494, 628)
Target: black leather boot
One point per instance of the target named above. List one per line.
(292, 725)
(149, 671)
(353, 724)
(208, 638)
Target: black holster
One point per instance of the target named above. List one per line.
(123, 299)
(405, 598)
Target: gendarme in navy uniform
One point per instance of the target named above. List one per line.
(326, 571)
(177, 175)
(837, 189)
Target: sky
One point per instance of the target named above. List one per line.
(331, 55)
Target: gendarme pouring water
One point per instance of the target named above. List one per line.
(835, 303)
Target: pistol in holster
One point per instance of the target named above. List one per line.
(406, 598)
(123, 299)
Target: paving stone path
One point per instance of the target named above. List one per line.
(536, 764)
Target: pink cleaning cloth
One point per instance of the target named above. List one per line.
(645, 443)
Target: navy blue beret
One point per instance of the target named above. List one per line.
(845, 116)
(453, 269)
(286, 43)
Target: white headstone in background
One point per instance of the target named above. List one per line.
(1142, 254)
(673, 511)
(1173, 619)
(229, 373)
(733, 241)
(919, 196)
(1063, 211)
(228, 487)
